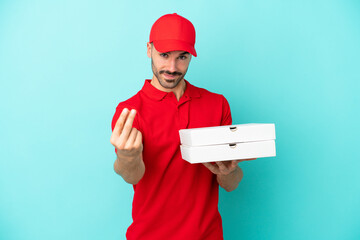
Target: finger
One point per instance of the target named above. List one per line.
(127, 127)
(211, 167)
(132, 136)
(120, 122)
(248, 159)
(235, 163)
(138, 140)
(222, 167)
(118, 127)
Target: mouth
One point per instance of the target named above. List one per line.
(168, 76)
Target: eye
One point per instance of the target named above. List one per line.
(183, 57)
(163, 54)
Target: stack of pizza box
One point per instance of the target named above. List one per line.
(231, 142)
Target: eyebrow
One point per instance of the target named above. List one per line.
(183, 53)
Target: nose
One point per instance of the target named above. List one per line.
(172, 65)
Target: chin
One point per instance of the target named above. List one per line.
(169, 85)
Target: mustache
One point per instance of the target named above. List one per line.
(170, 73)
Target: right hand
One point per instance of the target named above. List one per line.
(126, 139)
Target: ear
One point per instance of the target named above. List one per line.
(148, 47)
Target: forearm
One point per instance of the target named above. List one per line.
(230, 181)
(131, 170)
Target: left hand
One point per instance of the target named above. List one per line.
(224, 167)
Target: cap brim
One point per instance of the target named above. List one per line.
(174, 45)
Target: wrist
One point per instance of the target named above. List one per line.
(128, 162)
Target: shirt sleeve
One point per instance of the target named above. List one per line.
(116, 116)
(226, 118)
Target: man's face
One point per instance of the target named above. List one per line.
(170, 67)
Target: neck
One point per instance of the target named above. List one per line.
(178, 90)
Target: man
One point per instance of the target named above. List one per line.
(173, 199)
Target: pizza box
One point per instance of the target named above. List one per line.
(249, 132)
(225, 152)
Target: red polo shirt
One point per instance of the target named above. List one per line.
(174, 199)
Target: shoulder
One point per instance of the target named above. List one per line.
(211, 98)
(208, 95)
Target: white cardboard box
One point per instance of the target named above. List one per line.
(223, 143)
(227, 134)
(224, 152)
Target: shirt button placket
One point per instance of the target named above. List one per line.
(183, 115)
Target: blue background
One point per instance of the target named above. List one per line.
(64, 66)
